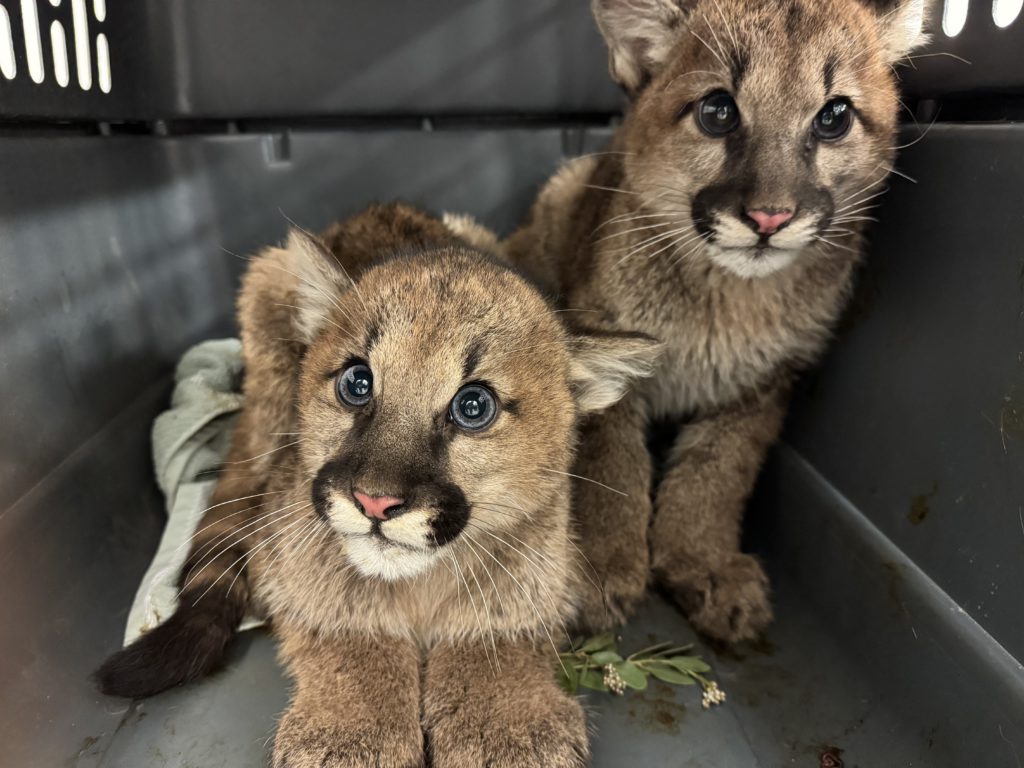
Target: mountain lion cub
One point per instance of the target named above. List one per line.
(396, 501)
(725, 219)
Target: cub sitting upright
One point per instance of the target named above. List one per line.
(396, 502)
(726, 220)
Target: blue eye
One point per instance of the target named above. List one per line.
(717, 114)
(473, 408)
(355, 385)
(834, 120)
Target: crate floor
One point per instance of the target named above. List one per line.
(791, 699)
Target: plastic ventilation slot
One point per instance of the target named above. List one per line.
(58, 42)
(103, 62)
(33, 43)
(8, 66)
(83, 58)
(1005, 12)
(954, 17)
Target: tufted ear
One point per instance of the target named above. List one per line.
(640, 34)
(901, 26)
(604, 365)
(318, 281)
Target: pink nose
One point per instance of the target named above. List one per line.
(770, 223)
(379, 507)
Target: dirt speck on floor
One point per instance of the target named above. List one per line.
(656, 709)
(920, 506)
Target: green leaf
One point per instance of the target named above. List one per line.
(568, 677)
(668, 673)
(689, 664)
(605, 657)
(591, 678)
(598, 643)
(571, 673)
(631, 675)
(672, 650)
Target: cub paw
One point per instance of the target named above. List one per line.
(727, 601)
(608, 599)
(547, 730)
(303, 741)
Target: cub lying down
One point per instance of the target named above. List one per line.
(397, 501)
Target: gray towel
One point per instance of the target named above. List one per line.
(190, 442)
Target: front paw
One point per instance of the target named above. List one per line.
(611, 593)
(310, 739)
(545, 729)
(727, 601)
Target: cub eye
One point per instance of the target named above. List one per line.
(834, 120)
(355, 385)
(717, 114)
(473, 408)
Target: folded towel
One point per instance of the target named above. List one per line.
(190, 442)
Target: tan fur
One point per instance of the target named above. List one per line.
(487, 608)
(616, 237)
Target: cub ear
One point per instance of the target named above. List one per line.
(471, 231)
(901, 26)
(640, 34)
(319, 281)
(604, 365)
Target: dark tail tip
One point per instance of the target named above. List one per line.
(189, 645)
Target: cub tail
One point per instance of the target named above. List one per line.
(190, 644)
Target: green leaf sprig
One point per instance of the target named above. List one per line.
(596, 663)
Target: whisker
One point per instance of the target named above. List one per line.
(631, 216)
(687, 74)
(526, 594)
(713, 51)
(196, 570)
(266, 453)
(611, 189)
(487, 613)
(624, 232)
(472, 602)
(538, 573)
(246, 556)
(276, 551)
(588, 479)
(836, 245)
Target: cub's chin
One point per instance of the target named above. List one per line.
(752, 262)
(374, 556)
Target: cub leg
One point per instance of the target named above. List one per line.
(613, 527)
(356, 702)
(513, 715)
(699, 506)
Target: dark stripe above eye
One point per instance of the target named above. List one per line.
(372, 337)
(831, 65)
(473, 357)
(738, 66)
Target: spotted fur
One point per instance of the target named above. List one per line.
(660, 234)
(478, 571)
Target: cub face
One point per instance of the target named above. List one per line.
(759, 128)
(438, 398)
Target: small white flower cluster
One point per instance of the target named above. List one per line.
(614, 680)
(713, 695)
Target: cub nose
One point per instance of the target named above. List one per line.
(378, 507)
(769, 222)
